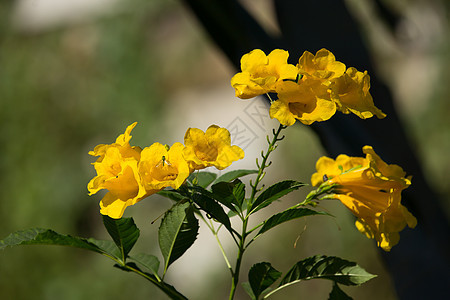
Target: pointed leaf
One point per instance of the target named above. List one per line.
(203, 178)
(287, 215)
(40, 236)
(261, 276)
(327, 267)
(108, 247)
(123, 232)
(217, 197)
(149, 261)
(177, 232)
(213, 209)
(232, 175)
(338, 294)
(275, 192)
(248, 290)
(230, 193)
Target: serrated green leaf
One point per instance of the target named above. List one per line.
(172, 194)
(261, 276)
(338, 294)
(213, 209)
(230, 194)
(123, 232)
(177, 232)
(149, 261)
(203, 178)
(275, 192)
(248, 290)
(232, 175)
(287, 215)
(327, 267)
(41, 236)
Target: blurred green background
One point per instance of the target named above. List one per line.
(72, 77)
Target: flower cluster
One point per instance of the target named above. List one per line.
(371, 190)
(131, 174)
(311, 91)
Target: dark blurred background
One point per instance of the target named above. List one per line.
(74, 74)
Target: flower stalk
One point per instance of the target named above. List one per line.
(255, 189)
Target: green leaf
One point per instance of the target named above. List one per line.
(232, 175)
(248, 290)
(202, 179)
(287, 215)
(172, 194)
(40, 236)
(327, 267)
(230, 194)
(177, 232)
(108, 247)
(211, 195)
(166, 288)
(261, 276)
(123, 232)
(338, 294)
(213, 209)
(324, 267)
(275, 192)
(149, 261)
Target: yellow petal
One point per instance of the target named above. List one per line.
(280, 111)
(245, 86)
(112, 206)
(251, 61)
(352, 89)
(126, 137)
(321, 66)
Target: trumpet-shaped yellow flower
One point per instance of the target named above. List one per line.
(117, 172)
(161, 166)
(210, 148)
(307, 101)
(371, 190)
(322, 66)
(352, 90)
(260, 73)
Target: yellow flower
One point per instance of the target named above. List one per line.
(260, 73)
(352, 90)
(322, 66)
(161, 166)
(210, 148)
(371, 190)
(308, 101)
(117, 172)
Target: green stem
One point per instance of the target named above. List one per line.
(237, 268)
(221, 248)
(272, 147)
(242, 247)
